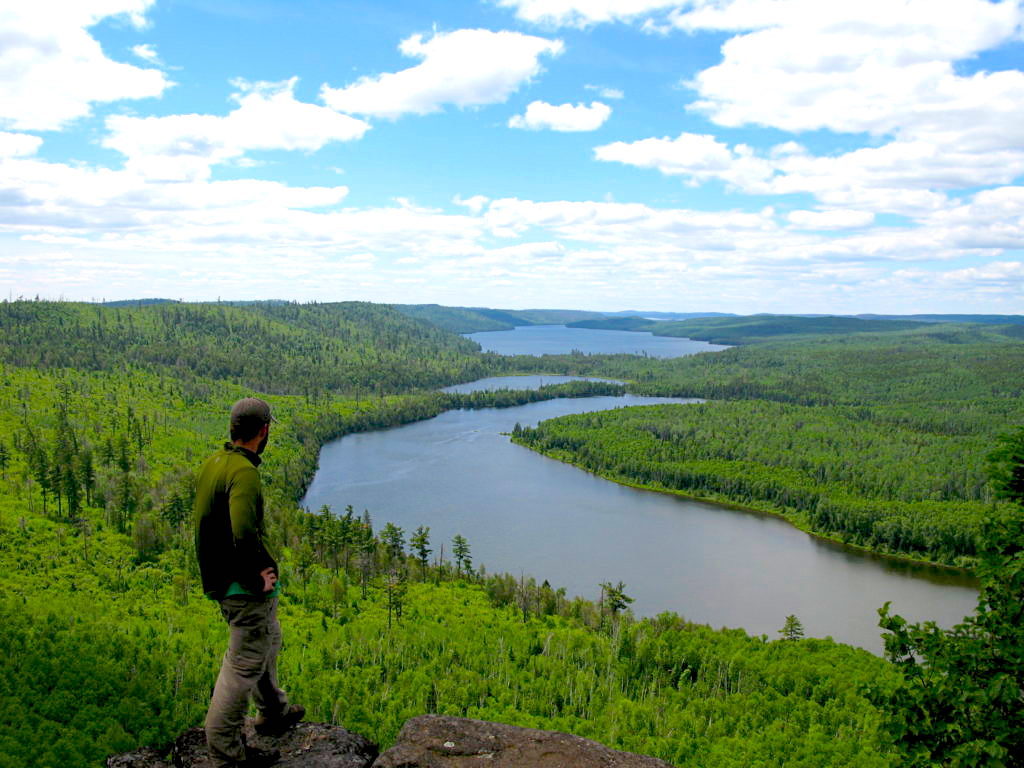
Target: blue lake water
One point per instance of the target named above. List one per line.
(558, 340)
(523, 512)
(519, 382)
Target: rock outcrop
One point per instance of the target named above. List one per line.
(429, 741)
(437, 741)
(308, 745)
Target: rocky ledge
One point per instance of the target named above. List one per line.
(429, 741)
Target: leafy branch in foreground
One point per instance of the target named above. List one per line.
(961, 702)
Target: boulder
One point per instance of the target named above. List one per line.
(308, 745)
(437, 741)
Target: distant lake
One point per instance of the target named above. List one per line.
(519, 382)
(559, 340)
(524, 512)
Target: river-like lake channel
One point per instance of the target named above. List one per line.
(524, 513)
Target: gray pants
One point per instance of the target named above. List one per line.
(249, 669)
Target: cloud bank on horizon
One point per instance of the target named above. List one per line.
(735, 155)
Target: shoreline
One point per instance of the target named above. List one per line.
(774, 512)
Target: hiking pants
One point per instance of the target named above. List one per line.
(249, 669)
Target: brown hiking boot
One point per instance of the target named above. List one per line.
(278, 725)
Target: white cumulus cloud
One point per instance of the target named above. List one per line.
(52, 70)
(147, 52)
(605, 92)
(268, 116)
(585, 13)
(831, 219)
(464, 68)
(562, 117)
(475, 204)
(18, 144)
(698, 157)
(876, 66)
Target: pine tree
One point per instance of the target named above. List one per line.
(87, 474)
(792, 629)
(420, 545)
(394, 541)
(460, 549)
(395, 588)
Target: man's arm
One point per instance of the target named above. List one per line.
(252, 558)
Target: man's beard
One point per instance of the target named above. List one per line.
(262, 445)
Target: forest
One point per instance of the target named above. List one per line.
(874, 439)
(840, 471)
(109, 411)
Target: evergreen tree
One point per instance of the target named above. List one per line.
(460, 549)
(614, 597)
(419, 543)
(393, 538)
(87, 474)
(395, 587)
(792, 629)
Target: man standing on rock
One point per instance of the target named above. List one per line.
(241, 575)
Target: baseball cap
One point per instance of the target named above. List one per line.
(251, 408)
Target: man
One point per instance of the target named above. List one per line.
(241, 575)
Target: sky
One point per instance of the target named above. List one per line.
(800, 156)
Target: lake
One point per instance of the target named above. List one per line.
(523, 512)
(559, 340)
(519, 382)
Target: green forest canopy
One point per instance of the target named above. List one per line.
(108, 411)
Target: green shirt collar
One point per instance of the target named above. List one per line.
(250, 455)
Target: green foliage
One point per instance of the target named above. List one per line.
(684, 692)
(886, 452)
(793, 629)
(955, 376)
(961, 700)
(616, 324)
(476, 319)
(459, 319)
(419, 544)
(1006, 466)
(862, 474)
(754, 328)
(105, 429)
(461, 553)
(307, 349)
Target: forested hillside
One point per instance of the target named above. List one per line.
(101, 594)
(839, 471)
(885, 449)
(750, 329)
(349, 347)
(107, 413)
(476, 319)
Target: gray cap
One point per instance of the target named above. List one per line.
(251, 408)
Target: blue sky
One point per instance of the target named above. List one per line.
(729, 155)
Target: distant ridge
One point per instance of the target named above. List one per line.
(137, 302)
(988, 319)
(668, 315)
(477, 319)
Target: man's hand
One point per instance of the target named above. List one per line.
(269, 579)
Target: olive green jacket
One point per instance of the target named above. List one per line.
(229, 523)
